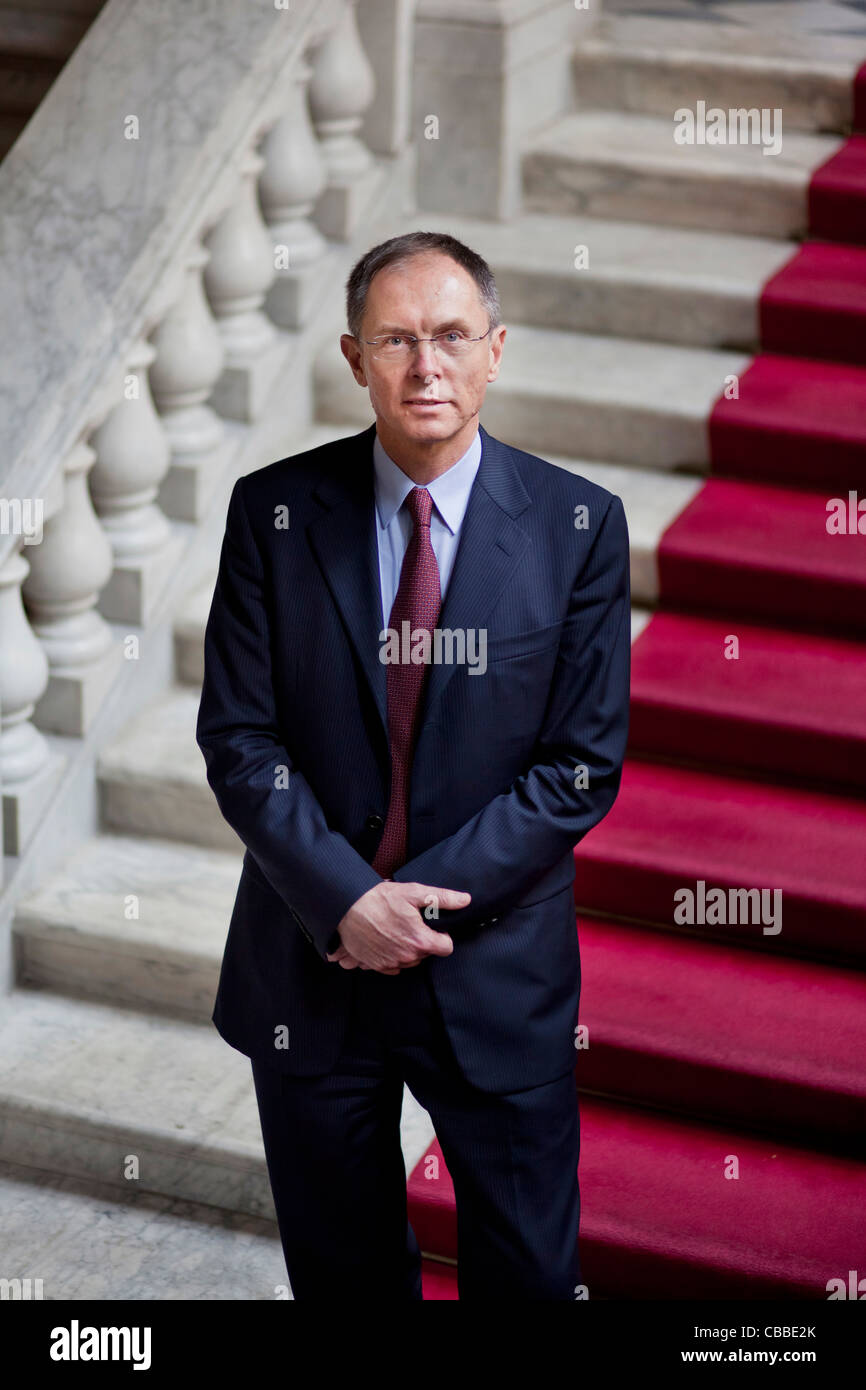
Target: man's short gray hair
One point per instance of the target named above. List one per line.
(400, 249)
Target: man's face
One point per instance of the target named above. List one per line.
(430, 294)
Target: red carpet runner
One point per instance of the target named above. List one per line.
(711, 1039)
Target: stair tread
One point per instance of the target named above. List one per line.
(439, 1280)
(159, 743)
(679, 995)
(730, 831)
(543, 243)
(632, 139)
(802, 680)
(791, 395)
(87, 1241)
(759, 527)
(96, 1065)
(794, 47)
(185, 892)
(822, 275)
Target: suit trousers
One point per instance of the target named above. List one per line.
(335, 1162)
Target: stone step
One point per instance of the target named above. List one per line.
(673, 286)
(152, 777)
(84, 1086)
(583, 395)
(88, 1240)
(618, 164)
(815, 31)
(654, 66)
(72, 935)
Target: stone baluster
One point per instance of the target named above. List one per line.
(237, 277)
(67, 572)
(293, 178)
(189, 359)
(132, 457)
(342, 87)
(28, 769)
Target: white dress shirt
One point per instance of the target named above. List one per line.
(450, 494)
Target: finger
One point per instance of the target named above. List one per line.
(420, 894)
(436, 943)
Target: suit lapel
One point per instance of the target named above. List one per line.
(491, 544)
(344, 542)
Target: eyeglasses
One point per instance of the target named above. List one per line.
(397, 346)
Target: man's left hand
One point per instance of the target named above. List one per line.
(348, 962)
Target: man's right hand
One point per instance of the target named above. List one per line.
(385, 931)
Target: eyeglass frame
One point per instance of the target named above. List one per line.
(415, 341)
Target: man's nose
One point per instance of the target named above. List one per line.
(425, 358)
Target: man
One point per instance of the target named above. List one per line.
(415, 703)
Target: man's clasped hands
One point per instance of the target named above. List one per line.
(384, 930)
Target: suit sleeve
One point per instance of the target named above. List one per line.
(517, 837)
(263, 796)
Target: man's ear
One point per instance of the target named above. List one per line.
(352, 354)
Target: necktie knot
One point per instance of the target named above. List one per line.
(420, 505)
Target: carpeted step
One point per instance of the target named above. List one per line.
(763, 552)
(662, 1215)
(788, 703)
(672, 830)
(837, 194)
(736, 1036)
(815, 305)
(438, 1281)
(796, 421)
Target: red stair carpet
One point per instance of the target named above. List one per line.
(723, 1091)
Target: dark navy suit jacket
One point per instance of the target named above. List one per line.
(511, 767)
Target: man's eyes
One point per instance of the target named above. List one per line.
(453, 333)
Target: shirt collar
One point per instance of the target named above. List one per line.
(450, 491)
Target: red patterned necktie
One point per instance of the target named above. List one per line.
(417, 603)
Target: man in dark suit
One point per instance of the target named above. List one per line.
(415, 703)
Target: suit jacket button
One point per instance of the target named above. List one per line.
(375, 822)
